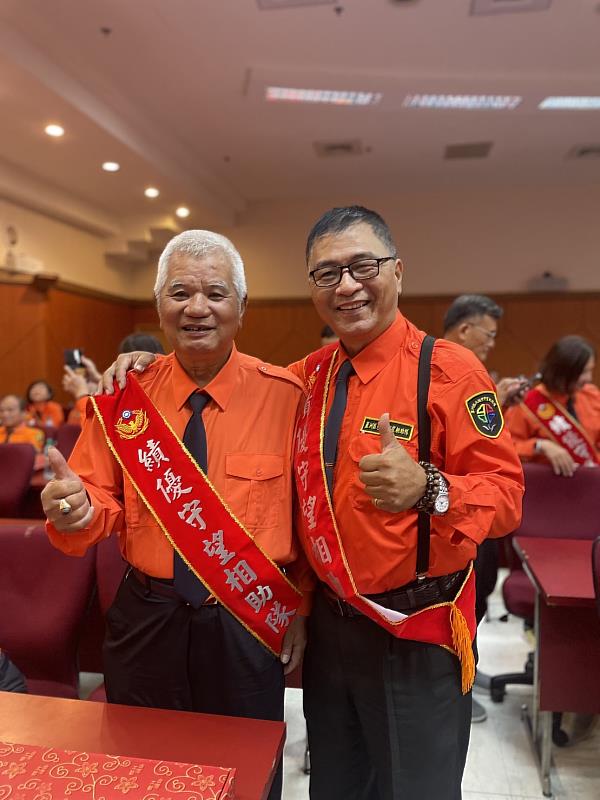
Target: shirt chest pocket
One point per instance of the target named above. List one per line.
(366, 444)
(255, 488)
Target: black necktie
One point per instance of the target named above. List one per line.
(194, 438)
(334, 421)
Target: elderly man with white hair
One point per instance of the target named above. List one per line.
(190, 465)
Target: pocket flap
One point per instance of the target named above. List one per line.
(253, 467)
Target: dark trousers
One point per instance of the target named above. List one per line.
(486, 575)
(160, 652)
(386, 718)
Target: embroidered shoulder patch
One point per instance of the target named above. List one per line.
(485, 414)
(401, 430)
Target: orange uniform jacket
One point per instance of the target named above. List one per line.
(485, 475)
(48, 413)
(525, 430)
(249, 429)
(23, 434)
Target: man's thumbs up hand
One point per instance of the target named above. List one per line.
(392, 479)
(64, 499)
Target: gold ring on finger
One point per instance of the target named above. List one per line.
(65, 507)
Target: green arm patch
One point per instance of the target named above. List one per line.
(486, 416)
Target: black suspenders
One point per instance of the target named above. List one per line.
(424, 425)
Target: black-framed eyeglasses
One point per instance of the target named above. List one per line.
(362, 270)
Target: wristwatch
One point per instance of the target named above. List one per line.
(441, 504)
(436, 499)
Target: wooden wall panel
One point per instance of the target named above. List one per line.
(37, 326)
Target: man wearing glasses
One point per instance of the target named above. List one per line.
(389, 665)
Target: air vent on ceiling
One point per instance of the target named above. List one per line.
(468, 150)
(348, 147)
(507, 6)
(585, 151)
(267, 5)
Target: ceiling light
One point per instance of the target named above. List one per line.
(330, 96)
(55, 130)
(151, 191)
(573, 103)
(462, 101)
(111, 166)
(182, 212)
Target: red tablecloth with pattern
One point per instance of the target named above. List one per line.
(45, 773)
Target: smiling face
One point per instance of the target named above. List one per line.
(39, 393)
(199, 309)
(357, 311)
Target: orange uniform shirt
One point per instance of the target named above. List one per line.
(484, 474)
(249, 429)
(48, 413)
(77, 413)
(525, 430)
(23, 434)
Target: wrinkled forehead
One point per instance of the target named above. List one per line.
(214, 265)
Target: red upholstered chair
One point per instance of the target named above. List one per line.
(596, 570)
(43, 599)
(16, 469)
(110, 569)
(66, 436)
(554, 507)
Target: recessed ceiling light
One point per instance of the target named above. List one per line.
(576, 103)
(182, 212)
(463, 101)
(111, 166)
(55, 130)
(151, 191)
(330, 96)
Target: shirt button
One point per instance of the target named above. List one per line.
(414, 345)
(259, 471)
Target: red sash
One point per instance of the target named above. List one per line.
(449, 624)
(562, 427)
(194, 518)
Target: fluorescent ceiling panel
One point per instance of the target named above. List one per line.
(571, 103)
(463, 101)
(329, 96)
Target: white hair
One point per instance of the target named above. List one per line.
(198, 244)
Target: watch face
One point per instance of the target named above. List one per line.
(442, 502)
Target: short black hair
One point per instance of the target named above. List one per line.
(564, 362)
(35, 383)
(339, 219)
(467, 306)
(141, 341)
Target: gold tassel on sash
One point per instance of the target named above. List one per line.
(461, 639)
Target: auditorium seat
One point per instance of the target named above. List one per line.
(16, 468)
(596, 570)
(553, 507)
(44, 595)
(66, 436)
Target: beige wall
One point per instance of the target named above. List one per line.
(73, 254)
(451, 242)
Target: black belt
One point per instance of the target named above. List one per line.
(411, 597)
(162, 586)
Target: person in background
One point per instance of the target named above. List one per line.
(13, 428)
(41, 408)
(328, 336)
(11, 679)
(558, 421)
(140, 341)
(472, 320)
